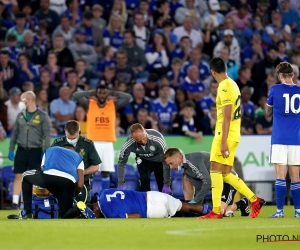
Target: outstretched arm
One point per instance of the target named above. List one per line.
(123, 99)
(81, 97)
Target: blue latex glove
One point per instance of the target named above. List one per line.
(11, 155)
(121, 187)
(192, 202)
(166, 189)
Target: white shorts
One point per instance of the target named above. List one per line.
(107, 155)
(160, 205)
(285, 154)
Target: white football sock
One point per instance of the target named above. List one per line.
(16, 199)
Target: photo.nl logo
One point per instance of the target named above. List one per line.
(262, 238)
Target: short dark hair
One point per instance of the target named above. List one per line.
(68, 2)
(188, 104)
(217, 64)
(88, 15)
(102, 87)
(64, 16)
(72, 127)
(167, 23)
(4, 52)
(153, 77)
(272, 47)
(170, 152)
(284, 68)
(11, 38)
(184, 37)
(72, 71)
(129, 32)
(20, 15)
(135, 127)
(69, 146)
(243, 68)
(105, 50)
(22, 54)
(81, 60)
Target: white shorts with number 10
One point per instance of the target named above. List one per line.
(285, 154)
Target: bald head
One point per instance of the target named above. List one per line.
(29, 95)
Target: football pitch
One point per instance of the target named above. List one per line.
(172, 233)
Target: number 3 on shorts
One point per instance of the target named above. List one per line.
(114, 195)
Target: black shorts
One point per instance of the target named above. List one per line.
(228, 194)
(27, 159)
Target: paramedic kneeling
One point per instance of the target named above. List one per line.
(62, 167)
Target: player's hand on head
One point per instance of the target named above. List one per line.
(224, 150)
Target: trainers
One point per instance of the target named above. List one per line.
(85, 211)
(228, 213)
(211, 215)
(26, 216)
(278, 214)
(245, 209)
(256, 207)
(297, 214)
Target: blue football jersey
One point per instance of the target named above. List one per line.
(116, 39)
(206, 102)
(285, 100)
(164, 112)
(117, 203)
(192, 87)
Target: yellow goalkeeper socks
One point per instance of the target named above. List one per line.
(239, 185)
(216, 190)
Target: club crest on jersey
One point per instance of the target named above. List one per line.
(152, 148)
(82, 152)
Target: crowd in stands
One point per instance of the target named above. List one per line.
(156, 50)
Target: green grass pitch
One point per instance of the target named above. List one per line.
(172, 233)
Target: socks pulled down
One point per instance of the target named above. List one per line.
(295, 190)
(280, 191)
(206, 209)
(216, 189)
(105, 183)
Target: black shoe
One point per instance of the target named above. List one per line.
(14, 206)
(245, 209)
(27, 216)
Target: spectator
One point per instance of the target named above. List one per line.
(171, 38)
(142, 34)
(64, 55)
(80, 117)
(241, 16)
(230, 41)
(276, 30)
(232, 66)
(209, 99)
(57, 73)
(97, 19)
(157, 55)
(107, 59)
(296, 45)
(12, 48)
(62, 109)
(261, 105)
(245, 78)
(59, 6)
(19, 29)
(183, 50)
(187, 30)
(282, 51)
(174, 5)
(212, 13)
(246, 124)
(135, 55)
(138, 101)
(174, 73)
(188, 10)
(34, 53)
(248, 106)
(93, 33)
(8, 71)
(268, 64)
(119, 8)
(164, 80)
(180, 97)
(289, 16)
(119, 129)
(3, 109)
(209, 120)
(162, 13)
(28, 71)
(65, 29)
(31, 21)
(256, 27)
(73, 11)
(80, 49)
(192, 82)
(188, 123)
(151, 86)
(42, 38)
(262, 11)
(295, 57)
(42, 100)
(254, 52)
(46, 84)
(163, 110)
(44, 13)
(13, 108)
(85, 76)
(73, 82)
(268, 83)
(3, 92)
(27, 86)
(145, 14)
(210, 37)
(109, 77)
(146, 120)
(195, 59)
(263, 124)
(113, 34)
(296, 74)
(124, 72)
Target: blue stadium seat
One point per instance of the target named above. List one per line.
(132, 185)
(96, 187)
(130, 171)
(152, 177)
(97, 176)
(177, 189)
(8, 177)
(153, 186)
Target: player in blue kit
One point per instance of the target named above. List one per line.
(284, 104)
(119, 203)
